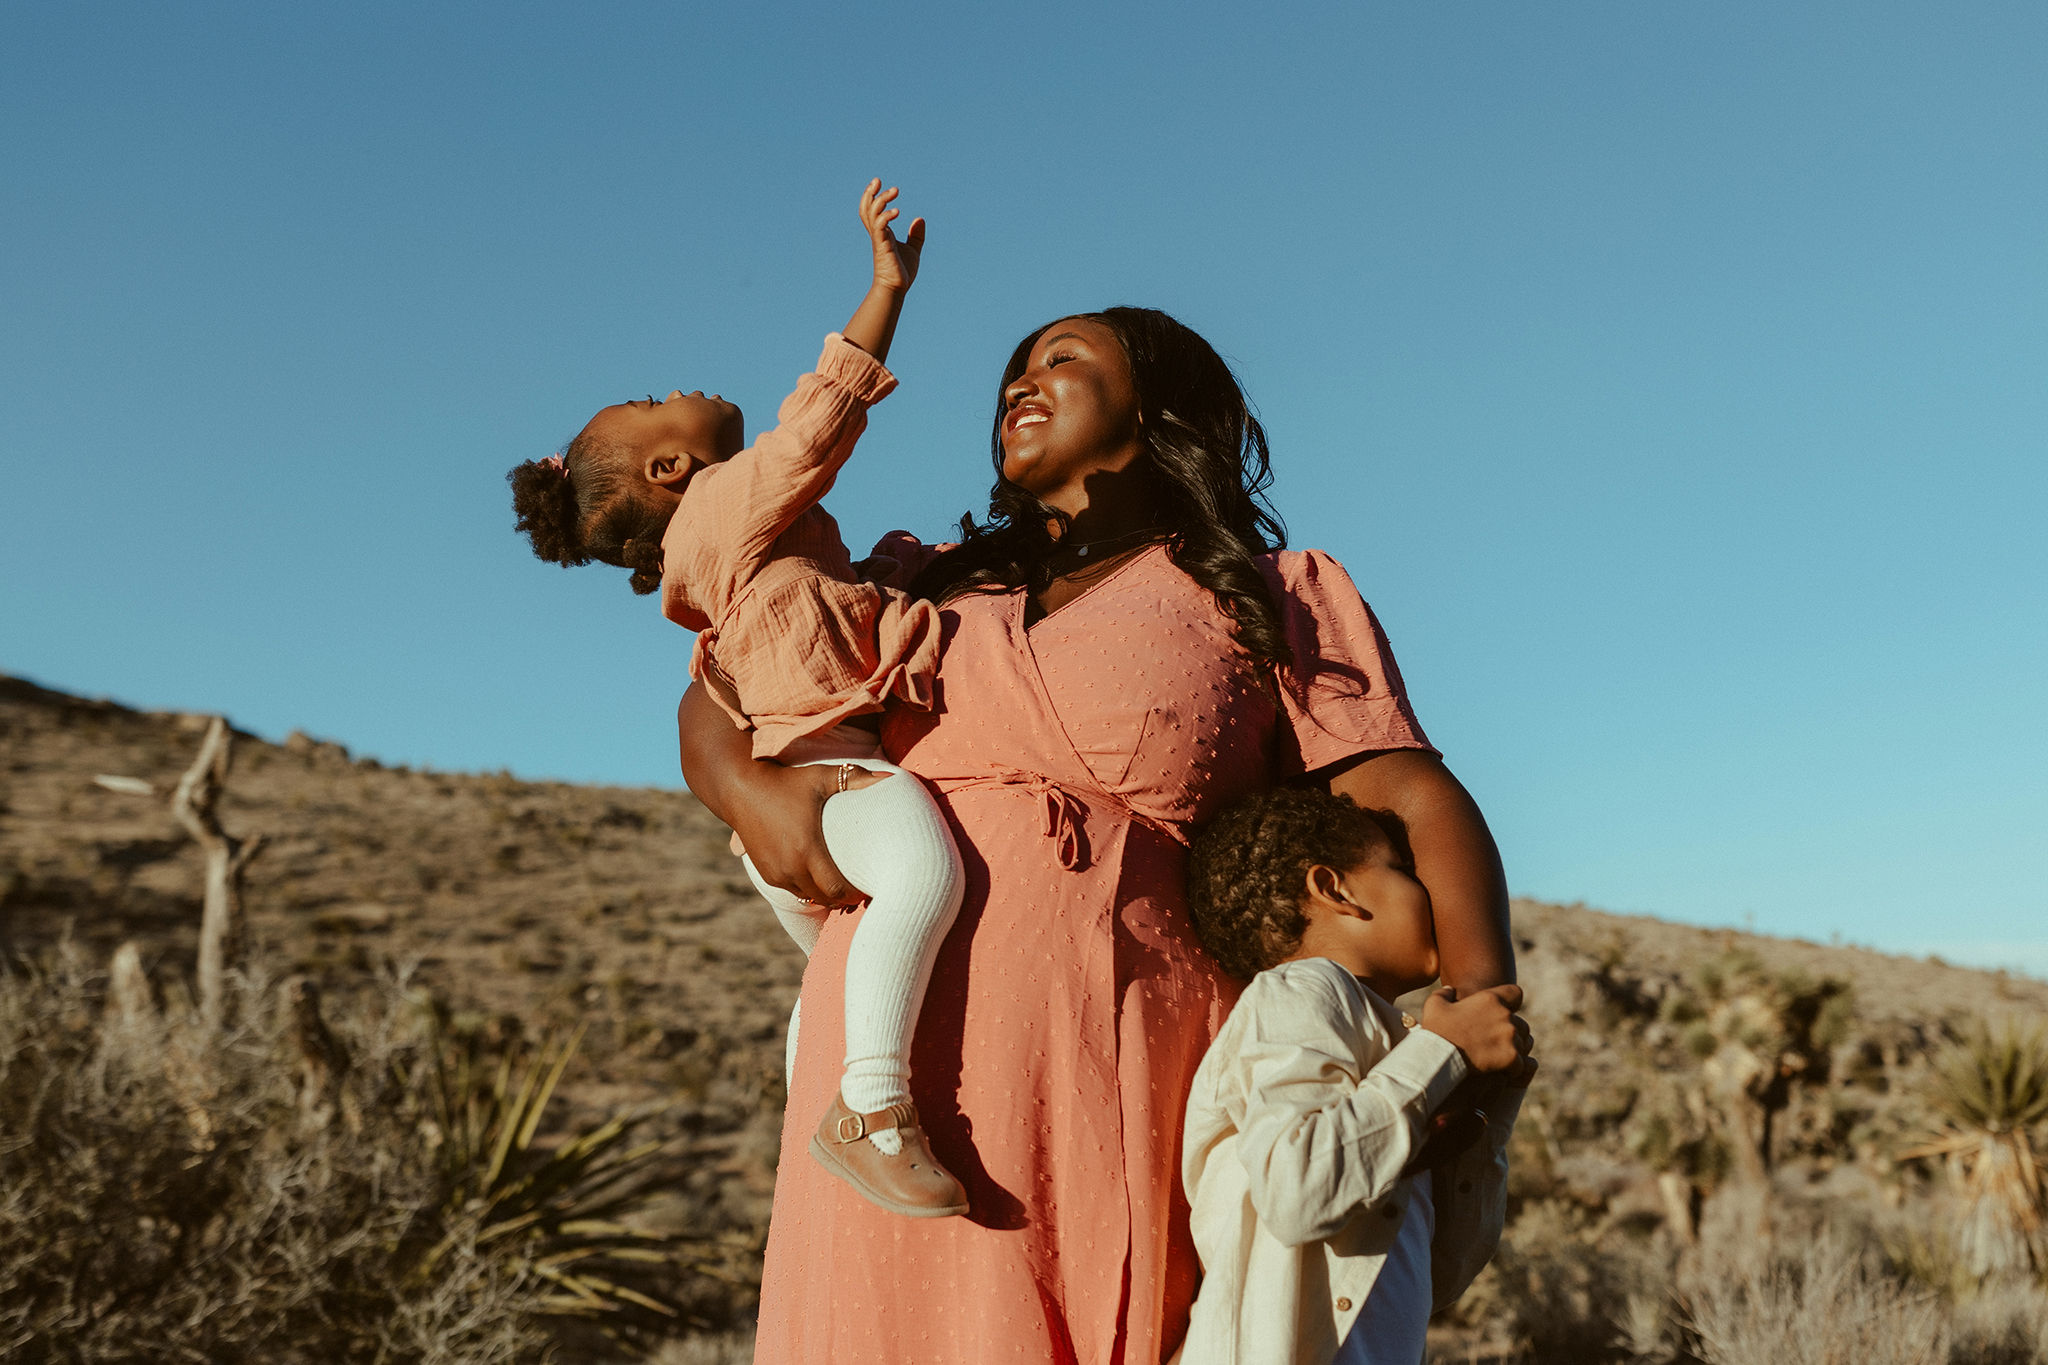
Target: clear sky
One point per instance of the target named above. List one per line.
(1672, 378)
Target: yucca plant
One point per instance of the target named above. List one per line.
(555, 1210)
(1990, 1092)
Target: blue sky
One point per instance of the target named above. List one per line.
(1671, 378)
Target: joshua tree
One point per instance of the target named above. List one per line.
(1764, 1040)
(1991, 1092)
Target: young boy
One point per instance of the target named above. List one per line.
(1319, 1242)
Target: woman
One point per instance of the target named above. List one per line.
(1124, 653)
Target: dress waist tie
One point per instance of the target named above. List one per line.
(1064, 812)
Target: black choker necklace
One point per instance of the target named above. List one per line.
(1082, 549)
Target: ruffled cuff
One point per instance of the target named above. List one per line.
(854, 370)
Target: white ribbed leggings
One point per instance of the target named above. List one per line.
(893, 844)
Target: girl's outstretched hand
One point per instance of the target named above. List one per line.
(895, 262)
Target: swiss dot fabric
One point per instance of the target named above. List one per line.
(1070, 1004)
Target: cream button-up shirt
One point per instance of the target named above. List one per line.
(1309, 1104)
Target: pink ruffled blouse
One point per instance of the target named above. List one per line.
(792, 638)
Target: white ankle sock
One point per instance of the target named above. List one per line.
(888, 1141)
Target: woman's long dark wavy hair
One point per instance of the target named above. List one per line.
(1209, 460)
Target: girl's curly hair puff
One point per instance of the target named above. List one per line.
(584, 504)
(1247, 870)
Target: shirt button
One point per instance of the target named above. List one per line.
(1389, 1211)
(1343, 1305)
(1407, 1020)
(1464, 1187)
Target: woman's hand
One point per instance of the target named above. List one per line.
(776, 811)
(781, 825)
(895, 262)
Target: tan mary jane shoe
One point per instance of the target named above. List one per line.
(911, 1183)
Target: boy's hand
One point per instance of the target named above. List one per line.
(895, 262)
(1483, 1026)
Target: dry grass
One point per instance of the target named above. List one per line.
(169, 1196)
(1826, 1304)
(735, 1348)
(2005, 1325)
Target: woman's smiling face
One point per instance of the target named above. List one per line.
(1072, 412)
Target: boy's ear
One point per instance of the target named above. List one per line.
(1326, 894)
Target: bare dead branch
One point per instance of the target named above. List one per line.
(220, 924)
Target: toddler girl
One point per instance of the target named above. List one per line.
(797, 646)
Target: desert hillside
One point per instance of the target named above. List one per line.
(1678, 1064)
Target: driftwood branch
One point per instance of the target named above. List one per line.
(220, 923)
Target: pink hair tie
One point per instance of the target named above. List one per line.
(556, 463)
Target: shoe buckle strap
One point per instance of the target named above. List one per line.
(854, 1127)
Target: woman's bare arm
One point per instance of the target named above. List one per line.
(776, 811)
(1455, 858)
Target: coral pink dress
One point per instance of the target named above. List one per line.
(1071, 1002)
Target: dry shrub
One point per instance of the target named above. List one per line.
(1826, 1305)
(2005, 1325)
(166, 1195)
(1563, 1292)
(160, 1198)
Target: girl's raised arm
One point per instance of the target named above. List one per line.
(873, 325)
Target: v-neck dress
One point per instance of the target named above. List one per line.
(1071, 1002)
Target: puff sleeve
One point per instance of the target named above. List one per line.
(1342, 695)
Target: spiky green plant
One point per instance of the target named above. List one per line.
(557, 1210)
(1990, 1092)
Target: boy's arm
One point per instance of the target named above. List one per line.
(1318, 1139)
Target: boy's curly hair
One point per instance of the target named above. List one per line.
(1247, 870)
(584, 504)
